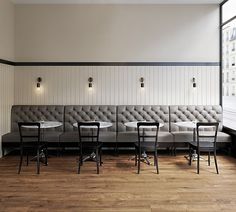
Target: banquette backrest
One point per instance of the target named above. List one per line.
(201, 113)
(30, 113)
(117, 115)
(75, 113)
(128, 113)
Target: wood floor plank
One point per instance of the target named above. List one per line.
(118, 187)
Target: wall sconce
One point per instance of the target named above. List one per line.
(141, 80)
(90, 80)
(39, 80)
(194, 82)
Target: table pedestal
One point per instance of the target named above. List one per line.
(194, 156)
(144, 158)
(42, 158)
(91, 157)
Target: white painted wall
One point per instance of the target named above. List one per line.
(164, 85)
(6, 98)
(176, 33)
(7, 30)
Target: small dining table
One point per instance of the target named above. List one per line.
(103, 125)
(134, 124)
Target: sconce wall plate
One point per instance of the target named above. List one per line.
(141, 80)
(90, 80)
(39, 80)
(194, 82)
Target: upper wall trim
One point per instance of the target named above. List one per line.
(7, 62)
(109, 63)
(117, 64)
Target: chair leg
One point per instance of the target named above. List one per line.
(139, 158)
(21, 159)
(198, 161)
(38, 162)
(97, 160)
(27, 159)
(156, 161)
(190, 157)
(100, 154)
(209, 158)
(135, 159)
(80, 160)
(46, 156)
(79, 164)
(217, 171)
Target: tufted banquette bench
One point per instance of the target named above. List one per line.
(30, 113)
(169, 135)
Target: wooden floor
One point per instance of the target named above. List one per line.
(118, 187)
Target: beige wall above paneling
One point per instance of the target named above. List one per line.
(7, 30)
(176, 33)
(117, 85)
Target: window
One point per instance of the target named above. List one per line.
(228, 10)
(228, 42)
(233, 47)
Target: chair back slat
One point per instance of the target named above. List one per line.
(27, 135)
(142, 137)
(211, 136)
(93, 135)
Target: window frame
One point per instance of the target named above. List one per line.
(222, 24)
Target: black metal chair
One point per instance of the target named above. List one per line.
(89, 142)
(146, 143)
(30, 140)
(206, 142)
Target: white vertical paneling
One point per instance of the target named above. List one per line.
(164, 85)
(6, 98)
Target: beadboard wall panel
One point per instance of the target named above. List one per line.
(117, 85)
(6, 98)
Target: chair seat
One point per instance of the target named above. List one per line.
(202, 144)
(163, 137)
(149, 146)
(105, 136)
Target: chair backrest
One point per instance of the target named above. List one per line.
(32, 135)
(210, 136)
(88, 131)
(143, 137)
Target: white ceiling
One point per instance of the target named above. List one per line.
(117, 1)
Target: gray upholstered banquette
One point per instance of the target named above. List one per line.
(118, 115)
(158, 113)
(199, 113)
(30, 113)
(76, 113)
